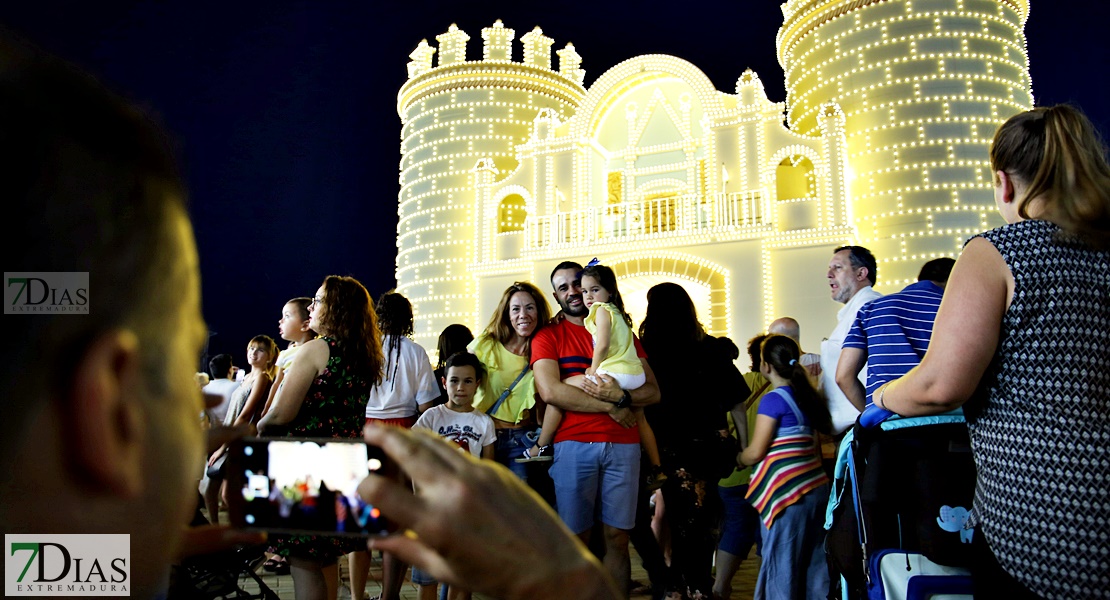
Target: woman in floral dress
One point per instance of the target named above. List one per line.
(324, 395)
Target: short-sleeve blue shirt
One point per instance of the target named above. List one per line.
(895, 331)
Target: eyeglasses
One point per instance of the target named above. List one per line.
(316, 302)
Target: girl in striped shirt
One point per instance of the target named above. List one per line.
(788, 487)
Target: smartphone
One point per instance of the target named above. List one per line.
(305, 486)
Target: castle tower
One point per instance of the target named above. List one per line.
(923, 85)
(454, 116)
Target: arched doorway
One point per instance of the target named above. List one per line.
(707, 284)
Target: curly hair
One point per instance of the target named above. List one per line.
(349, 317)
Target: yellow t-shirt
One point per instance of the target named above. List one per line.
(622, 351)
(285, 358)
(502, 368)
(757, 383)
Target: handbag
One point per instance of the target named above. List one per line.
(217, 469)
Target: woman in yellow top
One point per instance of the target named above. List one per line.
(507, 393)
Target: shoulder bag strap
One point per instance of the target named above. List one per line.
(508, 390)
(758, 394)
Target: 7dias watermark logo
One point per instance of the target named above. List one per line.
(36, 293)
(67, 565)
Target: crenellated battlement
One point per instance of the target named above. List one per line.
(497, 47)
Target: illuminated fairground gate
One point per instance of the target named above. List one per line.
(510, 165)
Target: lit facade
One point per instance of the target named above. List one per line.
(510, 166)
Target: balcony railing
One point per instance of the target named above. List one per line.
(672, 215)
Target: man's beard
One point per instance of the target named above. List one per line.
(582, 310)
(844, 295)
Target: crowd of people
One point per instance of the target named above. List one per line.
(101, 432)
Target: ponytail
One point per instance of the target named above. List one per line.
(783, 354)
(1057, 153)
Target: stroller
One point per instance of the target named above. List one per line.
(220, 575)
(900, 498)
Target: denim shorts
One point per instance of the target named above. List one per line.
(422, 578)
(510, 446)
(739, 523)
(596, 480)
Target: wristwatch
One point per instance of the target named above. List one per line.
(626, 400)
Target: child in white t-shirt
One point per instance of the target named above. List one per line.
(458, 422)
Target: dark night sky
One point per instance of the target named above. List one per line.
(285, 112)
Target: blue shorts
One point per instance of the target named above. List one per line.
(739, 523)
(422, 578)
(596, 480)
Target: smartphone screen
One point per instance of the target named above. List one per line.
(300, 485)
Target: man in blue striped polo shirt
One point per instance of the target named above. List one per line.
(891, 334)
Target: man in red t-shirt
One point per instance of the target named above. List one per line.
(597, 447)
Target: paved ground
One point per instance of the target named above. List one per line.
(743, 584)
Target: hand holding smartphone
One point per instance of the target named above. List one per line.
(305, 486)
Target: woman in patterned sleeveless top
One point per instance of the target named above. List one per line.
(1023, 336)
(789, 487)
(323, 394)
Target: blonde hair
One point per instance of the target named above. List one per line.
(1058, 155)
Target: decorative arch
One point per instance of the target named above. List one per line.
(665, 184)
(767, 170)
(509, 190)
(613, 84)
(511, 212)
(795, 177)
(677, 265)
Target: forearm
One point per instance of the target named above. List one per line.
(854, 391)
(645, 395)
(599, 355)
(752, 456)
(601, 350)
(851, 363)
(569, 397)
(607, 389)
(273, 392)
(918, 393)
(279, 413)
(740, 422)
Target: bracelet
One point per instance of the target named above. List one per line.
(879, 398)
